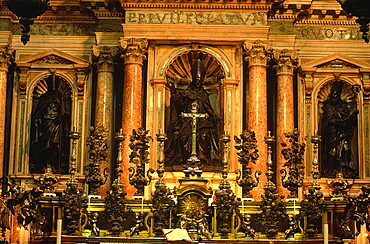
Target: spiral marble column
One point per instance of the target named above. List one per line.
(258, 53)
(6, 56)
(134, 51)
(286, 63)
(104, 59)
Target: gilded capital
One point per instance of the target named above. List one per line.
(133, 49)
(258, 52)
(286, 61)
(6, 56)
(104, 57)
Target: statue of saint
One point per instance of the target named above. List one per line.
(337, 127)
(50, 129)
(178, 146)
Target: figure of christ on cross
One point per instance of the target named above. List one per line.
(193, 166)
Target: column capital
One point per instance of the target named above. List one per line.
(158, 82)
(104, 57)
(230, 83)
(258, 52)
(286, 61)
(6, 56)
(133, 49)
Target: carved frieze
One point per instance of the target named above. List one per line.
(196, 17)
(52, 59)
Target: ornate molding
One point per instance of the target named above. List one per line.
(52, 59)
(338, 64)
(258, 52)
(6, 57)
(133, 49)
(206, 4)
(23, 75)
(104, 57)
(286, 61)
(366, 88)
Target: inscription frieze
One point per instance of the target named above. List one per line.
(74, 29)
(196, 18)
(328, 33)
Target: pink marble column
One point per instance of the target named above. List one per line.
(286, 60)
(6, 55)
(104, 59)
(258, 54)
(134, 51)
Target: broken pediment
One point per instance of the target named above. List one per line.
(52, 57)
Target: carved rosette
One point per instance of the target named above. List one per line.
(133, 49)
(6, 56)
(104, 57)
(258, 52)
(286, 61)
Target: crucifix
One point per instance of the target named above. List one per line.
(193, 167)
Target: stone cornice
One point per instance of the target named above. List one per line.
(260, 6)
(327, 22)
(312, 12)
(302, 12)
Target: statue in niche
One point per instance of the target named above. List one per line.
(178, 146)
(337, 128)
(50, 127)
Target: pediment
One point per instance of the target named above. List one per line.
(336, 61)
(52, 57)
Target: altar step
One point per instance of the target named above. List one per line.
(84, 240)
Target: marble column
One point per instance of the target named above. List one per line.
(134, 51)
(258, 53)
(6, 56)
(104, 59)
(286, 60)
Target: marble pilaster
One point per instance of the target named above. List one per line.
(286, 60)
(104, 59)
(134, 51)
(158, 118)
(230, 114)
(258, 53)
(6, 56)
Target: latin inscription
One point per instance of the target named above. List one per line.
(330, 33)
(196, 18)
(63, 29)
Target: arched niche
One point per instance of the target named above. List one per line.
(338, 125)
(179, 73)
(71, 74)
(318, 77)
(50, 125)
